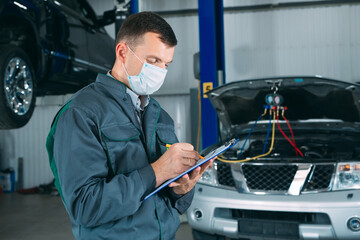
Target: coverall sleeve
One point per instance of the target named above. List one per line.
(82, 167)
(181, 202)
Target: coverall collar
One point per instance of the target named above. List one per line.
(140, 102)
(113, 84)
(118, 90)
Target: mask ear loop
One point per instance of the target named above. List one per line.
(134, 53)
(125, 69)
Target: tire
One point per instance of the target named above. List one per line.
(17, 87)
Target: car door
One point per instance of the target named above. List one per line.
(70, 43)
(101, 47)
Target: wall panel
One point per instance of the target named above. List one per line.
(294, 41)
(29, 143)
(178, 107)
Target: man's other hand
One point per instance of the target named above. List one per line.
(184, 184)
(177, 159)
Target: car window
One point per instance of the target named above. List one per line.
(74, 5)
(87, 11)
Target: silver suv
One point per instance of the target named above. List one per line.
(294, 174)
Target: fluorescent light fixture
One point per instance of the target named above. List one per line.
(20, 5)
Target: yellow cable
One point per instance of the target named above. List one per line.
(199, 121)
(259, 156)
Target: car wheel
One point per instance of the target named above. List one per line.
(17, 88)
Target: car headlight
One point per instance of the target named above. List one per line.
(209, 177)
(347, 176)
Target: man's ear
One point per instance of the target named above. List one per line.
(121, 51)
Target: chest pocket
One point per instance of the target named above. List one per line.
(165, 134)
(124, 148)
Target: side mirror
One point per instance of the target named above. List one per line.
(107, 18)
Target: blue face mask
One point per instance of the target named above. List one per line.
(149, 80)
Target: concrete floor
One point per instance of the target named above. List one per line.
(43, 217)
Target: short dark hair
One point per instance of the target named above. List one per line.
(136, 25)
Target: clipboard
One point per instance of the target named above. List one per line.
(208, 157)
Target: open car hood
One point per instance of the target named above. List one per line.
(241, 102)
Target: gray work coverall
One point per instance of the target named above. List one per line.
(100, 157)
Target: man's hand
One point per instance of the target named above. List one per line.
(178, 158)
(188, 181)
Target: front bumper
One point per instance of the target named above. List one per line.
(339, 206)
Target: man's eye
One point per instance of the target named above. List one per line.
(152, 60)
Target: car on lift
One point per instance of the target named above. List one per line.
(48, 47)
(295, 172)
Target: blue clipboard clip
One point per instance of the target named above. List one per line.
(208, 157)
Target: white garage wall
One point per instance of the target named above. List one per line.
(306, 41)
(29, 143)
(178, 107)
(319, 40)
(230, 3)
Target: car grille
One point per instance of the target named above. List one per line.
(276, 177)
(269, 178)
(224, 174)
(321, 178)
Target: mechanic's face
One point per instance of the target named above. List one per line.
(151, 50)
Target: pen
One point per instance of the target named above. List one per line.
(169, 145)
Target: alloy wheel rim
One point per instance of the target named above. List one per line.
(18, 86)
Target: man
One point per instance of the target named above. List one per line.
(106, 145)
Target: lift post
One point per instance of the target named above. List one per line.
(124, 8)
(212, 63)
